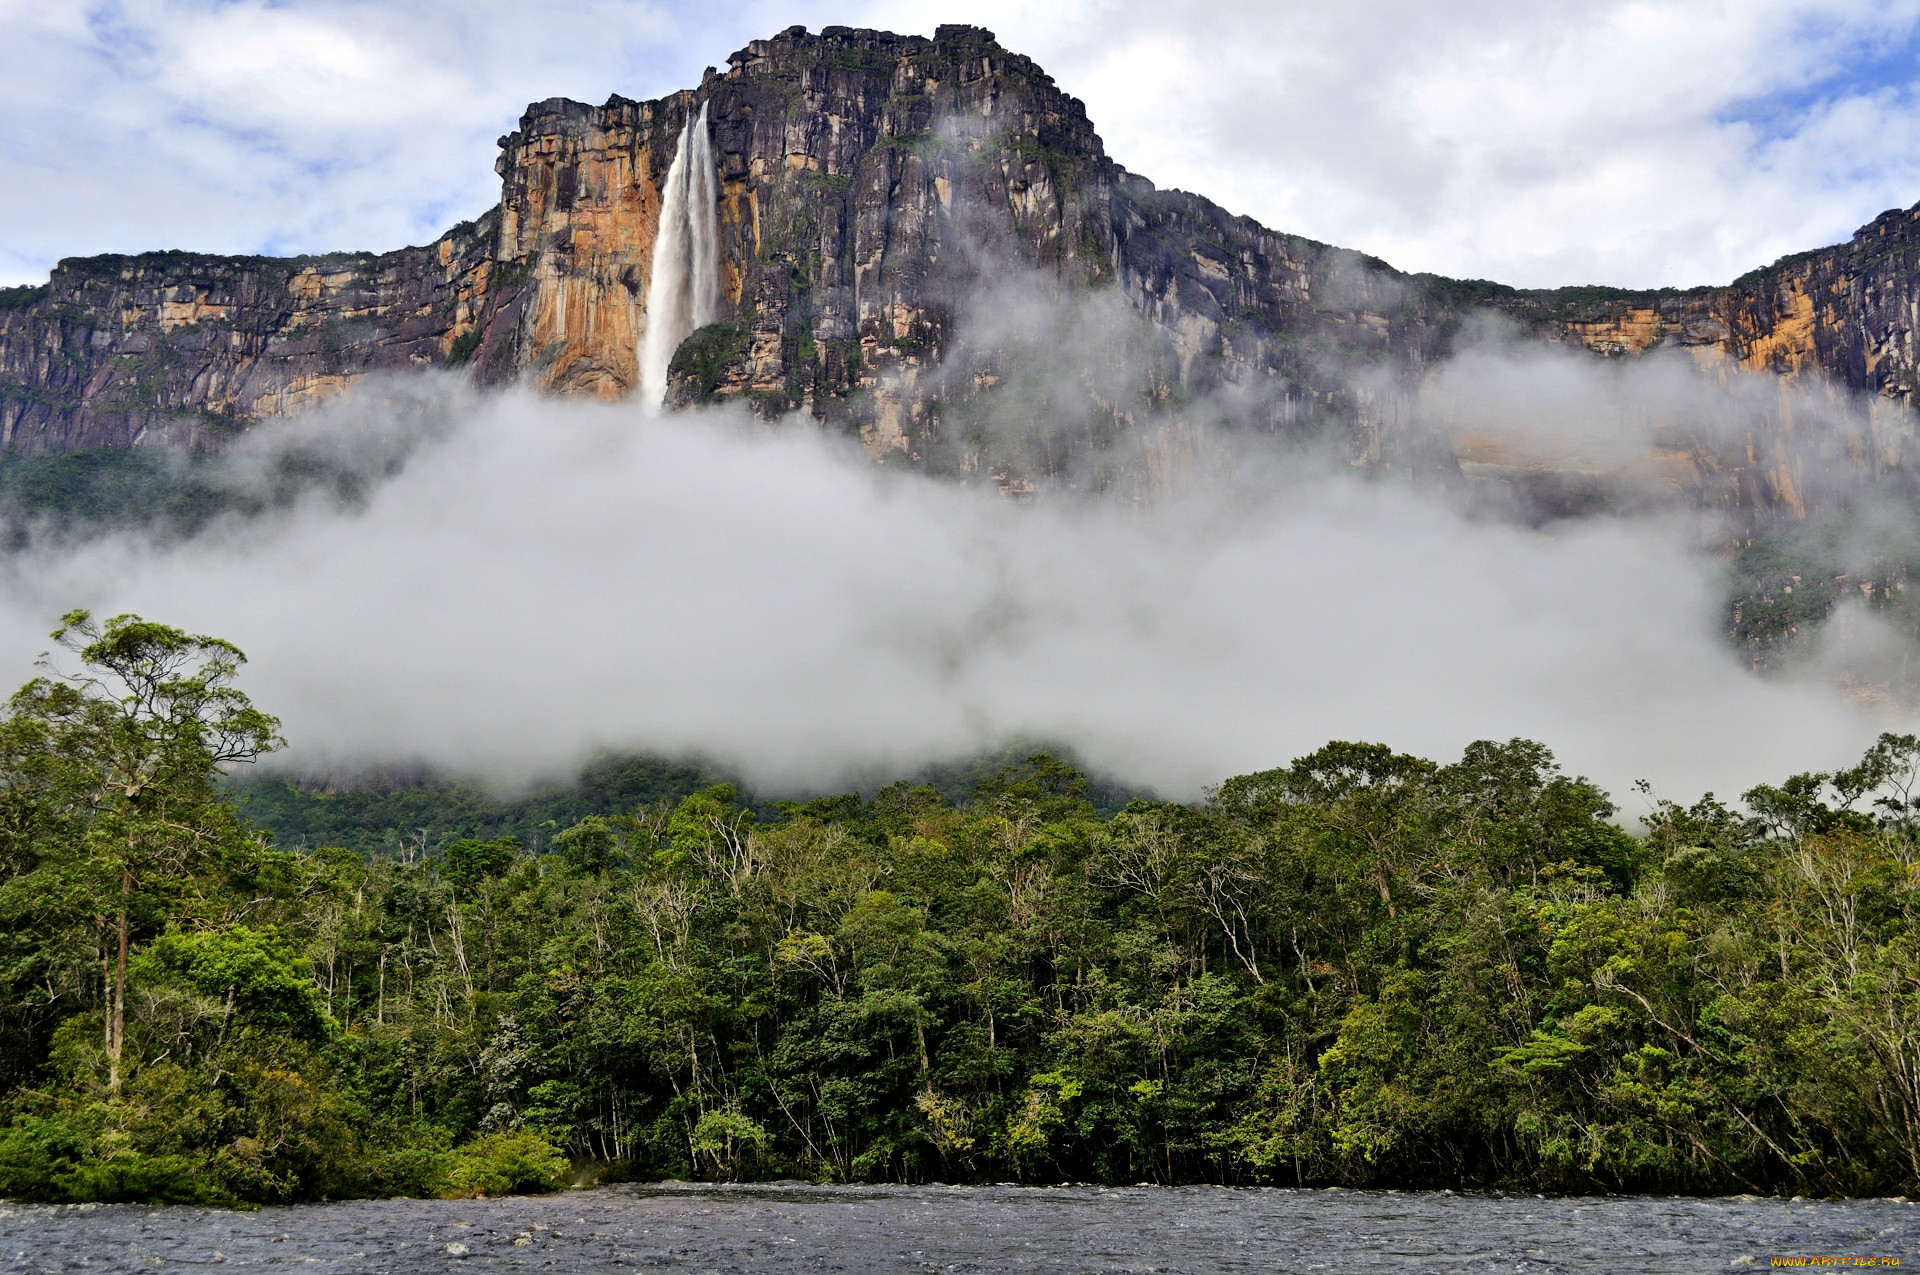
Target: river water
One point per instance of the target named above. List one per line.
(959, 1229)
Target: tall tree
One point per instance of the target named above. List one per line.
(142, 730)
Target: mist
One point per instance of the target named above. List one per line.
(542, 580)
(1758, 449)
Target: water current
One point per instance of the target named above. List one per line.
(683, 286)
(792, 1227)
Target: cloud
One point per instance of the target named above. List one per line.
(1641, 142)
(1747, 451)
(285, 71)
(248, 126)
(1537, 144)
(542, 579)
(548, 578)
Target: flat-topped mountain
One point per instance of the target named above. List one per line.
(910, 236)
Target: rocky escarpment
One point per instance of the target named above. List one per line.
(923, 243)
(186, 349)
(1848, 312)
(910, 231)
(1835, 330)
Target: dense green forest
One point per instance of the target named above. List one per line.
(1362, 968)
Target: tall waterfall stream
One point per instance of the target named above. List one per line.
(683, 288)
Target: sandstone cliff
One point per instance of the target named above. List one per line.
(924, 244)
(186, 349)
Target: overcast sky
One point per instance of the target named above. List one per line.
(1545, 142)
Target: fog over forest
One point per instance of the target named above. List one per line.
(524, 582)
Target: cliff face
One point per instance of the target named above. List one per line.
(923, 243)
(1848, 312)
(186, 349)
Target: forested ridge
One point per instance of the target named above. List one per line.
(1363, 968)
(411, 812)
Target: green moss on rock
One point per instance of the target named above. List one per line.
(708, 357)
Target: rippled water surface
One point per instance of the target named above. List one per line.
(987, 1229)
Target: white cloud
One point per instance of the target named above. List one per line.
(265, 68)
(1535, 143)
(321, 124)
(1613, 141)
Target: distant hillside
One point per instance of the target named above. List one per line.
(414, 815)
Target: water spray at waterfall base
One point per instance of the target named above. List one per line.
(683, 289)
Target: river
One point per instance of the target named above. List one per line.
(793, 1227)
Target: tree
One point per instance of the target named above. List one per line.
(140, 734)
(1373, 797)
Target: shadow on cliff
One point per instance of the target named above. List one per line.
(1044, 382)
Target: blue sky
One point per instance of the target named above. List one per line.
(1872, 61)
(1640, 142)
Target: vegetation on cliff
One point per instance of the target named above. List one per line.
(707, 357)
(1363, 968)
(1786, 584)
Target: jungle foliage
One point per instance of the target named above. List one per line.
(51, 498)
(1362, 968)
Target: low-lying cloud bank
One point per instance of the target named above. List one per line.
(548, 579)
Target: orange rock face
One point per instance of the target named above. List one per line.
(579, 213)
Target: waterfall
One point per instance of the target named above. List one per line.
(683, 291)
